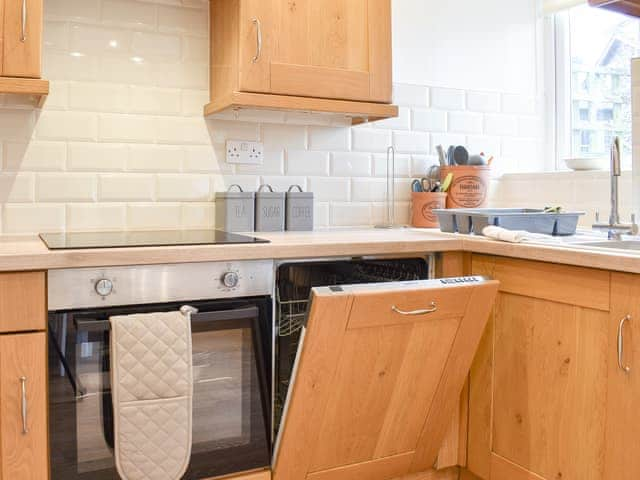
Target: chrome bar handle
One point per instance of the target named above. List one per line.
(23, 392)
(258, 25)
(623, 367)
(23, 36)
(425, 311)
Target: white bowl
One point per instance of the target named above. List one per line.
(586, 163)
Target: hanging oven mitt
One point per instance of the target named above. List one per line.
(152, 389)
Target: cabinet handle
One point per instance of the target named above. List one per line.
(23, 391)
(23, 36)
(256, 22)
(623, 367)
(416, 312)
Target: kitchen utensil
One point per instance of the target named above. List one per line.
(450, 160)
(477, 160)
(416, 186)
(441, 155)
(586, 163)
(436, 187)
(433, 174)
(460, 155)
(447, 182)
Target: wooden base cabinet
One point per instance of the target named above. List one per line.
(23, 407)
(622, 461)
(538, 385)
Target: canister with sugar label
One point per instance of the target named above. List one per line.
(269, 210)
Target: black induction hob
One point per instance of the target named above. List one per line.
(160, 238)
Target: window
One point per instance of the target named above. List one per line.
(593, 49)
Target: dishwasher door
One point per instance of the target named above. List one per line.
(378, 376)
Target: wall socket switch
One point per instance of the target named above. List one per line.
(249, 153)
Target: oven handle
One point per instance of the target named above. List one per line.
(198, 318)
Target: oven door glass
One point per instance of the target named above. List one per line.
(230, 398)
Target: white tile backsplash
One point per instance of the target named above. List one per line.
(121, 141)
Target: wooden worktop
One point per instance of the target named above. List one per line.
(29, 253)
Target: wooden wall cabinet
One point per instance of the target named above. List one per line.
(330, 56)
(538, 385)
(23, 379)
(21, 25)
(629, 7)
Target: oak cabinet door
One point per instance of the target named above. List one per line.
(339, 49)
(22, 38)
(623, 412)
(538, 386)
(22, 302)
(379, 376)
(23, 407)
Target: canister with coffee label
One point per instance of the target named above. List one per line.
(299, 209)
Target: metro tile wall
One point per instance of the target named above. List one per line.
(121, 142)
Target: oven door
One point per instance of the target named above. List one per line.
(230, 343)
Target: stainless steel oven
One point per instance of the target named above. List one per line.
(231, 337)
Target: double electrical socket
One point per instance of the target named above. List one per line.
(250, 153)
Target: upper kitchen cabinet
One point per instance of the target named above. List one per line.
(330, 56)
(21, 52)
(22, 38)
(630, 7)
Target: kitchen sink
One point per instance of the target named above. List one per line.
(615, 244)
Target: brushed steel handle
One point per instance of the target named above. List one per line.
(425, 311)
(623, 367)
(23, 392)
(23, 36)
(258, 25)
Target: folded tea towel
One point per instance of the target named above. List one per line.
(515, 236)
(152, 389)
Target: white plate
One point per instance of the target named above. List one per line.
(586, 163)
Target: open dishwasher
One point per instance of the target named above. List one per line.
(294, 281)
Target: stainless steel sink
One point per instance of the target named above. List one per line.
(614, 244)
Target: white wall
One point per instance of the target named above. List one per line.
(121, 142)
(473, 45)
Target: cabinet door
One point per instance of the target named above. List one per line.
(338, 49)
(623, 419)
(538, 384)
(23, 407)
(22, 39)
(379, 375)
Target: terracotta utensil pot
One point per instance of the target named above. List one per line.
(422, 206)
(470, 186)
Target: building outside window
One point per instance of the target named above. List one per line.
(593, 49)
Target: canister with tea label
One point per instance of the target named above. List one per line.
(235, 210)
(269, 210)
(299, 209)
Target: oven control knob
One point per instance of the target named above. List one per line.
(104, 287)
(230, 279)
